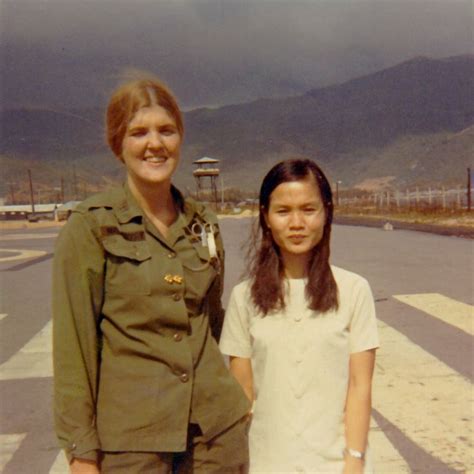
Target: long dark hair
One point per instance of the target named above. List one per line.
(266, 266)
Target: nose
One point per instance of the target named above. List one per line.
(296, 220)
(155, 140)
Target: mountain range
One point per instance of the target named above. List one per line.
(411, 124)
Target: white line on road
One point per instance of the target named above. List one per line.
(32, 360)
(9, 443)
(385, 457)
(456, 313)
(428, 401)
(27, 236)
(22, 254)
(61, 465)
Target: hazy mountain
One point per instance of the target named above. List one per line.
(406, 121)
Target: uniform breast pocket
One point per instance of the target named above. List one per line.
(128, 267)
(199, 273)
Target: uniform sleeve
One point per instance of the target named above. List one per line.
(363, 326)
(78, 271)
(235, 339)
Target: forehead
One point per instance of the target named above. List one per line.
(153, 114)
(294, 193)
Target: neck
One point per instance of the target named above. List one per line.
(295, 265)
(155, 200)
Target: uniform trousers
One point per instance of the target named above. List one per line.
(226, 453)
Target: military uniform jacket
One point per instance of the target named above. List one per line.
(134, 316)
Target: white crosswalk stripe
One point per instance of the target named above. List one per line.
(60, 465)
(9, 443)
(455, 313)
(32, 360)
(431, 403)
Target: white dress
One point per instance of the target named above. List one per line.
(300, 362)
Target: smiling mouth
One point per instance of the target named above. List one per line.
(155, 159)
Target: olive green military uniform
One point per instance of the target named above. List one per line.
(134, 359)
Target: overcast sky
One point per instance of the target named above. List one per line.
(71, 53)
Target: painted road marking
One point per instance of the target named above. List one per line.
(384, 455)
(428, 401)
(27, 236)
(21, 254)
(455, 313)
(33, 359)
(9, 443)
(61, 465)
(3, 315)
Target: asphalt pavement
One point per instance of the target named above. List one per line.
(423, 288)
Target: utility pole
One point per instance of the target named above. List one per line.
(31, 192)
(469, 189)
(12, 194)
(62, 190)
(74, 179)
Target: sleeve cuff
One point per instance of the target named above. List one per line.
(87, 455)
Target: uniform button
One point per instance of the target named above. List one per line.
(184, 377)
(168, 278)
(297, 318)
(176, 296)
(73, 446)
(177, 337)
(171, 255)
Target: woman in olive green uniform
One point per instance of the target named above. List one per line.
(140, 385)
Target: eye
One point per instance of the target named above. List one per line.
(137, 132)
(168, 131)
(282, 211)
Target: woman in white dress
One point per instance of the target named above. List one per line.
(301, 335)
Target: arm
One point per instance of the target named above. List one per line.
(358, 407)
(241, 369)
(77, 300)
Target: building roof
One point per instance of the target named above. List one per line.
(205, 159)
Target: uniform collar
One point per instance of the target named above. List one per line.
(128, 208)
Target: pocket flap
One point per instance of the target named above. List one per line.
(120, 247)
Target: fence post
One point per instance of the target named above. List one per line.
(408, 198)
(444, 198)
(458, 197)
(417, 197)
(429, 196)
(397, 199)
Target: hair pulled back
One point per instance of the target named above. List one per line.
(129, 98)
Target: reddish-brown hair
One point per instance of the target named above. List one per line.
(130, 97)
(266, 266)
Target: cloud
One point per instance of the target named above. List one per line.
(213, 51)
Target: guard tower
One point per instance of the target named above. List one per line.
(206, 168)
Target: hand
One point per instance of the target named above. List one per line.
(353, 465)
(83, 466)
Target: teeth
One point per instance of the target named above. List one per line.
(155, 159)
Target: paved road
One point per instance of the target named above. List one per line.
(423, 286)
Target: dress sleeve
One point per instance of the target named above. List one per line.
(363, 326)
(235, 339)
(78, 271)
